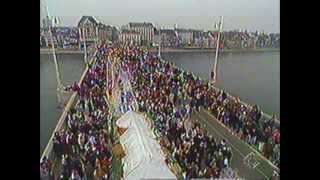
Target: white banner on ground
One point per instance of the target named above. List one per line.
(144, 158)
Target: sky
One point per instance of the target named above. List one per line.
(251, 15)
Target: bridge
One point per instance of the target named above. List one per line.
(243, 153)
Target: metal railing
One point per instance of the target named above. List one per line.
(264, 116)
(48, 149)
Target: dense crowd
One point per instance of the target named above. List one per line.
(84, 146)
(248, 123)
(169, 95)
(45, 168)
(160, 95)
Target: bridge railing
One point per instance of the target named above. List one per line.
(264, 116)
(48, 149)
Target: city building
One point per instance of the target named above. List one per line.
(93, 30)
(115, 34)
(185, 36)
(156, 37)
(168, 38)
(146, 30)
(88, 29)
(105, 32)
(45, 38)
(130, 37)
(63, 37)
(198, 38)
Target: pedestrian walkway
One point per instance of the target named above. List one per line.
(143, 158)
(128, 100)
(240, 149)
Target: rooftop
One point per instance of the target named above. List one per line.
(183, 30)
(138, 24)
(168, 31)
(90, 18)
(126, 31)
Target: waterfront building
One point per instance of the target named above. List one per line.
(185, 36)
(115, 34)
(106, 32)
(146, 30)
(157, 37)
(197, 38)
(45, 38)
(88, 28)
(130, 37)
(168, 38)
(213, 38)
(93, 30)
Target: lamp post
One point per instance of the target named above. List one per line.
(215, 67)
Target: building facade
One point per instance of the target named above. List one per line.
(185, 36)
(91, 30)
(88, 29)
(146, 30)
(130, 37)
(104, 32)
(169, 38)
(63, 37)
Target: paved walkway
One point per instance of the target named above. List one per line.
(239, 148)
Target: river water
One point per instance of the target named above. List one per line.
(254, 76)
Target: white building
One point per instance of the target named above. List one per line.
(146, 30)
(185, 36)
(130, 37)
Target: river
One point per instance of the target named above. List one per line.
(254, 76)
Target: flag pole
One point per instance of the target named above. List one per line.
(215, 67)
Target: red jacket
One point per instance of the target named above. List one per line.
(276, 136)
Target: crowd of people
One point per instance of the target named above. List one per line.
(160, 94)
(84, 147)
(248, 123)
(169, 95)
(45, 168)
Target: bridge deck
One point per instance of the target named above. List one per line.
(240, 149)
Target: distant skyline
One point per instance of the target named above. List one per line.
(251, 15)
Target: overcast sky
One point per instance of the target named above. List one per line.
(261, 15)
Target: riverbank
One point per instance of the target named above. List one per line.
(77, 51)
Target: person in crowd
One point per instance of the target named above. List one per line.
(45, 168)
